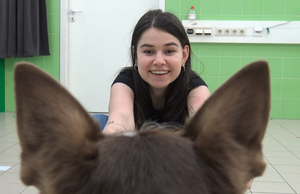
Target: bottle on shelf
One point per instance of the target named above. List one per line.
(192, 14)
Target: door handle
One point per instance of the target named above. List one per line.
(74, 11)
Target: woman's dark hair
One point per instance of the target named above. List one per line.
(175, 108)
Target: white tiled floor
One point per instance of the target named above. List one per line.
(281, 149)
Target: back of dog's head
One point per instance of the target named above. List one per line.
(218, 151)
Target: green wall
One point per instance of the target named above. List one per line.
(48, 63)
(2, 85)
(223, 60)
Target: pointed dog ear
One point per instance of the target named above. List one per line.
(229, 128)
(51, 124)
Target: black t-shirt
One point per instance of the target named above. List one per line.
(126, 77)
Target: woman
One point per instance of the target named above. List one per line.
(160, 86)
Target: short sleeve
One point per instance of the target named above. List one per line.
(195, 82)
(125, 77)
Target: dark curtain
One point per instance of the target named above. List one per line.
(23, 28)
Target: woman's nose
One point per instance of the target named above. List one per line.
(159, 59)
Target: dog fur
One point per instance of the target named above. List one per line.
(218, 151)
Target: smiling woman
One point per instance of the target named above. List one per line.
(160, 85)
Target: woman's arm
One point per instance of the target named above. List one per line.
(196, 98)
(120, 109)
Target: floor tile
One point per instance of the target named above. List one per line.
(270, 177)
(31, 190)
(8, 188)
(291, 177)
(287, 169)
(271, 187)
(9, 159)
(13, 178)
(11, 152)
(288, 161)
(296, 187)
(14, 169)
(276, 154)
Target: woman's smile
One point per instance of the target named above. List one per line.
(159, 72)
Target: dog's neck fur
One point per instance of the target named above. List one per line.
(218, 151)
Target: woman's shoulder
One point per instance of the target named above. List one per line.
(125, 76)
(126, 71)
(195, 81)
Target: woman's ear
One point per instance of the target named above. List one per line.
(185, 53)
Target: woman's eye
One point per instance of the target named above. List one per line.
(170, 51)
(148, 52)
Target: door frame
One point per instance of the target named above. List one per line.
(64, 43)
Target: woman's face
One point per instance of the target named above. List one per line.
(160, 58)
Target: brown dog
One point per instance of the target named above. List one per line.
(63, 151)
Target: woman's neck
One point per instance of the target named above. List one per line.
(157, 97)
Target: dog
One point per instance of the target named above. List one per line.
(218, 151)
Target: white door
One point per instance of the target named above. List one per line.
(97, 46)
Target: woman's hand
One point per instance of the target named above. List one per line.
(111, 127)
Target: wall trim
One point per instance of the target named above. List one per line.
(64, 31)
(162, 4)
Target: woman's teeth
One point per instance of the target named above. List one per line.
(159, 72)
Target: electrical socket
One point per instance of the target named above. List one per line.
(219, 31)
(222, 32)
(242, 31)
(231, 31)
(227, 31)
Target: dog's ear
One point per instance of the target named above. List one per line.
(52, 125)
(229, 128)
